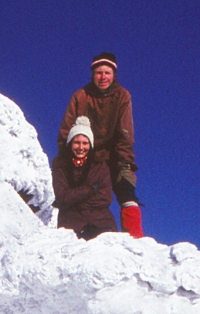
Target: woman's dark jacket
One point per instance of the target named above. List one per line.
(78, 202)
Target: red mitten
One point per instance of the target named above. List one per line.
(131, 221)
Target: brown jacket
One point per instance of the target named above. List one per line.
(111, 120)
(77, 201)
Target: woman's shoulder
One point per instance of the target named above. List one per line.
(59, 162)
(99, 167)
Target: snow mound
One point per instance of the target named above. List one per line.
(48, 270)
(23, 163)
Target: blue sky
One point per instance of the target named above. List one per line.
(46, 48)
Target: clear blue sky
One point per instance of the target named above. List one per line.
(46, 48)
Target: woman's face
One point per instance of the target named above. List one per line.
(80, 146)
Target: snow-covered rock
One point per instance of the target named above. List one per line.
(23, 163)
(48, 270)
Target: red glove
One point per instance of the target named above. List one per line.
(131, 221)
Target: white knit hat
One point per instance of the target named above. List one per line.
(81, 126)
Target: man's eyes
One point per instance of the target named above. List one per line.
(100, 73)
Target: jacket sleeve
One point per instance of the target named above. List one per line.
(66, 124)
(124, 136)
(104, 195)
(65, 196)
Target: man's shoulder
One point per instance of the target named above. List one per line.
(82, 92)
(122, 91)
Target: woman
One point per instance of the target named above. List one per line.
(82, 187)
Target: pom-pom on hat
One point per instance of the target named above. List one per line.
(81, 126)
(106, 58)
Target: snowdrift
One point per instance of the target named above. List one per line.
(48, 270)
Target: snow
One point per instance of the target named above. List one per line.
(48, 270)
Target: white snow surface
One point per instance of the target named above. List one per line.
(49, 271)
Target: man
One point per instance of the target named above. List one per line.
(109, 109)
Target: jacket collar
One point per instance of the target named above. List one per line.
(78, 162)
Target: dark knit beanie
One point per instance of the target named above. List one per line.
(105, 58)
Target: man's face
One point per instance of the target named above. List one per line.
(80, 146)
(103, 77)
